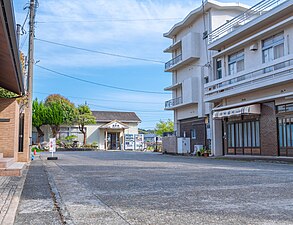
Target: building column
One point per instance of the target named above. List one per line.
(106, 139)
(217, 137)
(122, 147)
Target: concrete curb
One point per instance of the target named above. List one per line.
(13, 205)
(59, 204)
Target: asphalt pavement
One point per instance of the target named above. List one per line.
(151, 188)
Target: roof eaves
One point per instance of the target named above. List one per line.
(194, 13)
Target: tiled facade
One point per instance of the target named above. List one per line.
(9, 114)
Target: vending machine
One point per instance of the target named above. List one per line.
(139, 141)
(129, 141)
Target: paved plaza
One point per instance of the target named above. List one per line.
(151, 188)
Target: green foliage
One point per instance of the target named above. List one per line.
(39, 113)
(84, 117)
(94, 144)
(70, 138)
(162, 127)
(60, 111)
(144, 131)
(6, 94)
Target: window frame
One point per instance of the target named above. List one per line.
(234, 60)
(272, 43)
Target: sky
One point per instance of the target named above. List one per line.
(100, 31)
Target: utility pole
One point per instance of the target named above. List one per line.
(32, 9)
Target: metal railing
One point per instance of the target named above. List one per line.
(173, 61)
(249, 78)
(173, 102)
(247, 16)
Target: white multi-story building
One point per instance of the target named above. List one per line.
(251, 84)
(190, 68)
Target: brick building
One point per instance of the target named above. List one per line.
(14, 115)
(251, 82)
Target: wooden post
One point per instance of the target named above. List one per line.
(106, 140)
(122, 147)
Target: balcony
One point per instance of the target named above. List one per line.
(173, 87)
(173, 102)
(173, 62)
(248, 22)
(274, 73)
(190, 48)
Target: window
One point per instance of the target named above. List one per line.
(244, 134)
(285, 108)
(236, 62)
(286, 132)
(218, 69)
(273, 48)
(193, 134)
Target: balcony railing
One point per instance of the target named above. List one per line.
(173, 61)
(249, 15)
(173, 102)
(277, 70)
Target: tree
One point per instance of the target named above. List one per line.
(60, 111)
(39, 117)
(162, 127)
(84, 117)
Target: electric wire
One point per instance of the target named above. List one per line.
(144, 111)
(104, 100)
(99, 52)
(108, 20)
(100, 84)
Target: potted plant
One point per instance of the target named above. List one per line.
(206, 152)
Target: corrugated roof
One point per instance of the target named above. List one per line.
(107, 116)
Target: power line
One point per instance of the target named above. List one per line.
(99, 84)
(144, 111)
(108, 20)
(100, 52)
(104, 100)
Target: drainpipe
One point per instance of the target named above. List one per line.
(18, 28)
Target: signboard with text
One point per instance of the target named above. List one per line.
(52, 145)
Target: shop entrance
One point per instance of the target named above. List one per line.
(113, 141)
(285, 130)
(242, 138)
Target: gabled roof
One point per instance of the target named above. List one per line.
(194, 14)
(108, 116)
(115, 124)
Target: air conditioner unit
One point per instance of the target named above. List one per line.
(253, 47)
(197, 148)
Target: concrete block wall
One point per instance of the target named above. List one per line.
(169, 144)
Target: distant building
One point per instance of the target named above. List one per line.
(108, 132)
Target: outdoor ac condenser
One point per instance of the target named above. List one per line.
(197, 148)
(183, 145)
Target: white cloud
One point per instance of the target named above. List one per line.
(142, 38)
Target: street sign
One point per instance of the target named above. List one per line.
(52, 145)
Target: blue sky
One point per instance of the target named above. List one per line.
(130, 27)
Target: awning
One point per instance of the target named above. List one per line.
(245, 110)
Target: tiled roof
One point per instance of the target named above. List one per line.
(107, 116)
